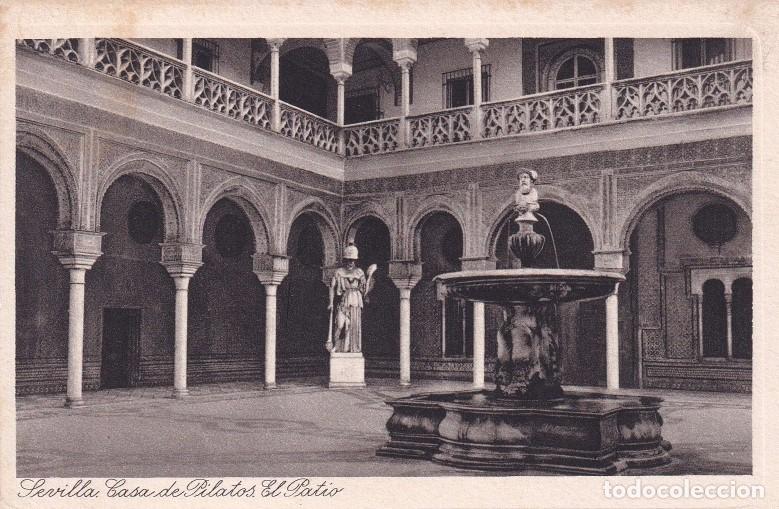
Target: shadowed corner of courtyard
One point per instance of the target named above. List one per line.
(304, 429)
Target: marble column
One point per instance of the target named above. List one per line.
(612, 260)
(181, 261)
(186, 56)
(180, 390)
(77, 251)
(612, 341)
(729, 323)
(271, 271)
(476, 46)
(405, 275)
(275, 45)
(478, 345)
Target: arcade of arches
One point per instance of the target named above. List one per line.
(684, 313)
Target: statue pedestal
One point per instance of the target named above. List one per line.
(347, 370)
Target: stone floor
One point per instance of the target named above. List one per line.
(303, 429)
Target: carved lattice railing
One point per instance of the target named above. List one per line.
(63, 48)
(542, 112)
(308, 128)
(441, 127)
(690, 89)
(141, 66)
(223, 96)
(373, 137)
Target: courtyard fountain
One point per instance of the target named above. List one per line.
(528, 422)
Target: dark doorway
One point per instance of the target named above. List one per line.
(121, 335)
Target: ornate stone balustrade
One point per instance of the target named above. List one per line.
(309, 128)
(690, 89)
(727, 84)
(542, 112)
(141, 66)
(223, 96)
(64, 48)
(372, 137)
(441, 127)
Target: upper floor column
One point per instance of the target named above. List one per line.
(404, 53)
(339, 54)
(476, 46)
(275, 46)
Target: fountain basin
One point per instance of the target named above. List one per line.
(583, 433)
(527, 286)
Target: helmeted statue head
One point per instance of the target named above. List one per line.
(350, 252)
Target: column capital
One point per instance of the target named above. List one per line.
(475, 45)
(405, 274)
(613, 260)
(270, 269)
(341, 71)
(405, 62)
(275, 43)
(477, 263)
(404, 51)
(77, 249)
(181, 259)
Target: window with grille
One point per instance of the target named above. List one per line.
(205, 54)
(697, 52)
(458, 86)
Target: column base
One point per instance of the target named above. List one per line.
(270, 386)
(181, 393)
(405, 384)
(74, 403)
(346, 370)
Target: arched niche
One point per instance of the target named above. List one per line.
(438, 328)
(305, 80)
(302, 296)
(156, 177)
(41, 282)
(129, 319)
(39, 148)
(381, 312)
(226, 300)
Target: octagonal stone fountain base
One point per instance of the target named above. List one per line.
(580, 433)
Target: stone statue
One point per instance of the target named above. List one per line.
(351, 285)
(526, 197)
(526, 244)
